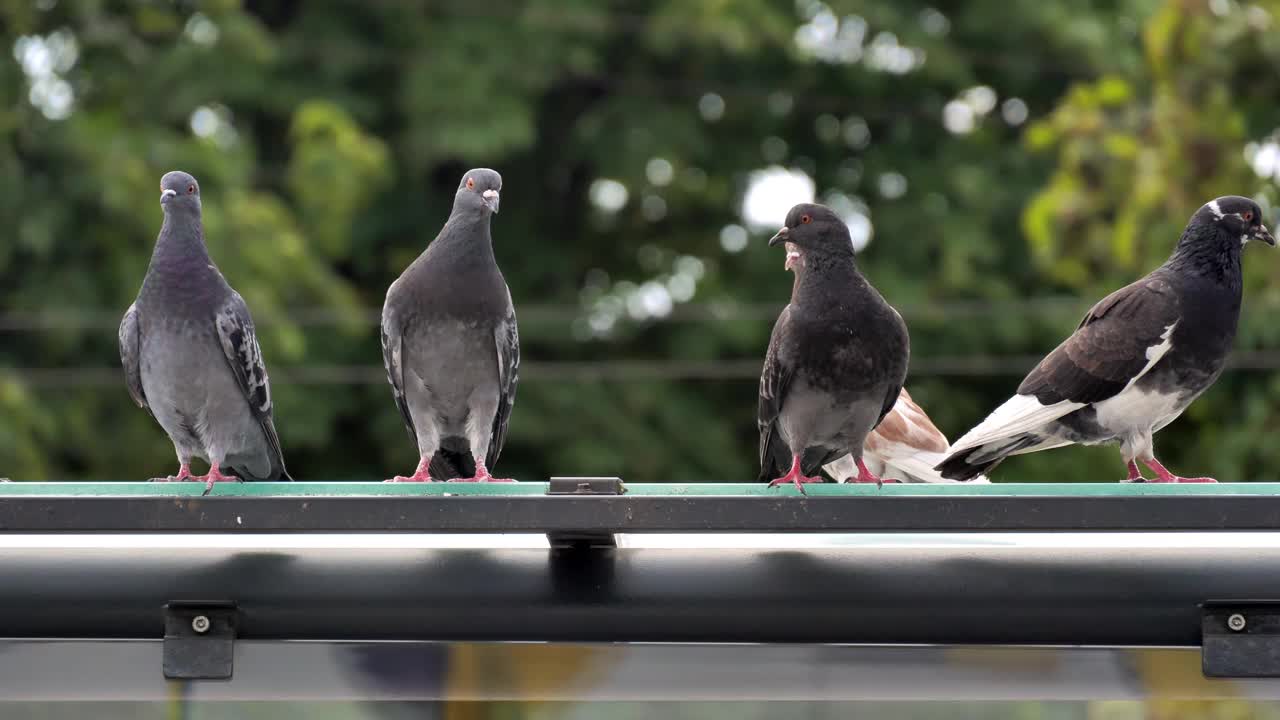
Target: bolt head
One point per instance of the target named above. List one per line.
(200, 624)
(1236, 622)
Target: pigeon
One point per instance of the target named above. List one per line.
(1136, 361)
(190, 355)
(450, 345)
(906, 444)
(836, 361)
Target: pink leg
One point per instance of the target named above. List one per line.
(482, 476)
(1134, 474)
(419, 475)
(866, 476)
(184, 473)
(213, 476)
(1164, 476)
(795, 477)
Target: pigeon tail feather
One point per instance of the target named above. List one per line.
(453, 460)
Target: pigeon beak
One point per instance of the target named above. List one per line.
(781, 236)
(166, 194)
(490, 200)
(1261, 233)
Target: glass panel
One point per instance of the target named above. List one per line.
(103, 680)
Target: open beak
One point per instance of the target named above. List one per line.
(1261, 233)
(490, 200)
(781, 236)
(166, 194)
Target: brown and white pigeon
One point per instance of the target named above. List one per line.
(190, 355)
(1137, 359)
(836, 361)
(905, 444)
(450, 344)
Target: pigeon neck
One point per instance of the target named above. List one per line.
(180, 244)
(1209, 253)
(462, 228)
(819, 273)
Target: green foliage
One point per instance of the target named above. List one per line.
(1006, 154)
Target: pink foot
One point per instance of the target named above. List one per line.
(795, 477)
(213, 476)
(184, 473)
(1134, 474)
(419, 475)
(1164, 476)
(866, 476)
(482, 476)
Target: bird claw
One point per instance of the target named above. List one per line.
(798, 480)
(423, 478)
(212, 477)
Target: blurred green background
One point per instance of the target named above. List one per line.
(1005, 165)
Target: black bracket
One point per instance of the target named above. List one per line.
(1240, 639)
(199, 640)
(580, 487)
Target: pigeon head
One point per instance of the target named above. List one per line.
(813, 230)
(179, 192)
(1233, 216)
(478, 191)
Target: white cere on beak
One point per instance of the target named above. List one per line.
(167, 193)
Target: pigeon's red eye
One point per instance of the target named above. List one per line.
(805, 219)
(470, 183)
(1247, 215)
(191, 189)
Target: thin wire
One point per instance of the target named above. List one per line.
(549, 313)
(979, 366)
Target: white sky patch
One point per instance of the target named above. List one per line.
(44, 60)
(893, 185)
(711, 107)
(733, 238)
(608, 195)
(659, 171)
(961, 115)
(1264, 158)
(201, 30)
(653, 207)
(1014, 111)
(771, 193)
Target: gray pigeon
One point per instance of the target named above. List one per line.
(450, 345)
(190, 355)
(836, 360)
(1137, 359)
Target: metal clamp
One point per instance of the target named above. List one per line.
(1240, 639)
(584, 487)
(199, 640)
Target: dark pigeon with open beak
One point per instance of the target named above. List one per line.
(1136, 361)
(837, 357)
(450, 344)
(191, 357)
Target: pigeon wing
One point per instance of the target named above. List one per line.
(244, 357)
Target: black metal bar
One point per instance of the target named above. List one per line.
(960, 593)
(637, 514)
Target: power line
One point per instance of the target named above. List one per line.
(548, 313)
(979, 366)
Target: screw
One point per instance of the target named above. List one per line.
(200, 624)
(1236, 622)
